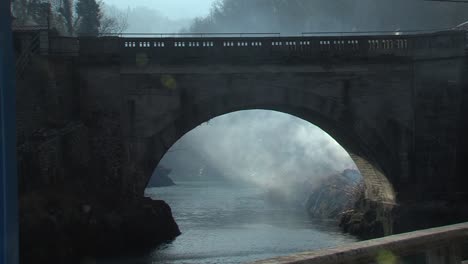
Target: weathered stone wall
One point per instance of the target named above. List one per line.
(46, 109)
(100, 111)
(72, 202)
(50, 161)
(76, 147)
(55, 155)
(31, 94)
(434, 193)
(438, 90)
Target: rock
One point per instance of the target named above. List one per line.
(366, 219)
(334, 195)
(340, 197)
(161, 178)
(57, 227)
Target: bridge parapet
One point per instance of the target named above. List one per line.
(442, 245)
(170, 50)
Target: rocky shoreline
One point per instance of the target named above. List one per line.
(367, 220)
(334, 195)
(341, 198)
(56, 227)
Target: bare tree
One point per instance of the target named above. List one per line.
(63, 16)
(66, 10)
(113, 20)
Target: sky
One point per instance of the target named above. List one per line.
(170, 16)
(173, 9)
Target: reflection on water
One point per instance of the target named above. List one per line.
(234, 224)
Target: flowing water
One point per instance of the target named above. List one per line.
(222, 223)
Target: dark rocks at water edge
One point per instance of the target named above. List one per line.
(334, 195)
(367, 219)
(161, 178)
(341, 198)
(57, 227)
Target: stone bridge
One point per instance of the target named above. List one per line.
(396, 103)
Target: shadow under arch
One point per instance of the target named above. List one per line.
(379, 188)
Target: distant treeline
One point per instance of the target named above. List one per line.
(296, 16)
(69, 17)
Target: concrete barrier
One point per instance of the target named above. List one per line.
(442, 245)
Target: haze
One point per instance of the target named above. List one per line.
(173, 9)
(266, 148)
(287, 17)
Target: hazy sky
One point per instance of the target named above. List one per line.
(174, 9)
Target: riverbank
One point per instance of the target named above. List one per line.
(62, 226)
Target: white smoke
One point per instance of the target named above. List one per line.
(265, 148)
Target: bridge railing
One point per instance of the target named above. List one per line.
(177, 49)
(442, 245)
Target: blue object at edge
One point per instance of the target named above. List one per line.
(8, 177)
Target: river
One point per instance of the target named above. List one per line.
(223, 223)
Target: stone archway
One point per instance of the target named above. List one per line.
(379, 195)
(379, 188)
(372, 137)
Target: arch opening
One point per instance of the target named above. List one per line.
(247, 143)
(378, 187)
(291, 161)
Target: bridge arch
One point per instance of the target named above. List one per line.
(331, 115)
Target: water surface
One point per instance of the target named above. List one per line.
(223, 223)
